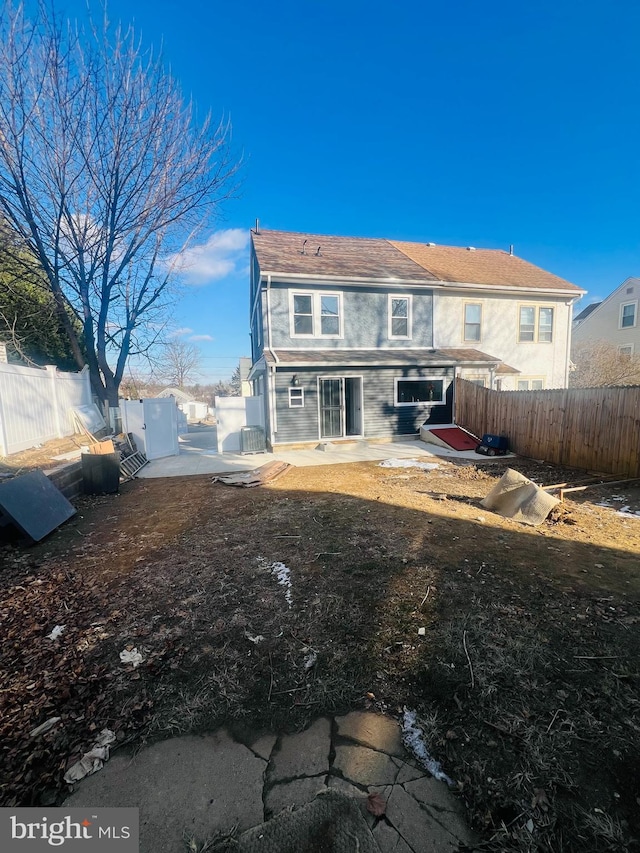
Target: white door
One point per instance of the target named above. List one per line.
(161, 427)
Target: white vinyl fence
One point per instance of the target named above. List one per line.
(35, 404)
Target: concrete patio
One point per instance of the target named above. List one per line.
(198, 455)
(196, 786)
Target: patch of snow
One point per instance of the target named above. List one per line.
(413, 739)
(56, 632)
(132, 656)
(283, 574)
(257, 639)
(408, 463)
(626, 512)
(310, 659)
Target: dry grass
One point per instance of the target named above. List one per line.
(538, 718)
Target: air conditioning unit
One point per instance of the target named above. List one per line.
(252, 440)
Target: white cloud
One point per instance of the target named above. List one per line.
(180, 333)
(223, 254)
(201, 338)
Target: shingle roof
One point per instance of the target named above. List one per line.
(586, 311)
(481, 266)
(351, 257)
(376, 258)
(389, 357)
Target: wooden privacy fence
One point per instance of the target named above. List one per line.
(35, 404)
(597, 429)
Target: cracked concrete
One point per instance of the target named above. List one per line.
(203, 785)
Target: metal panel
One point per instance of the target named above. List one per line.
(252, 439)
(34, 504)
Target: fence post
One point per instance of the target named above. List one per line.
(4, 444)
(52, 370)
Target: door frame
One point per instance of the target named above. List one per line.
(343, 408)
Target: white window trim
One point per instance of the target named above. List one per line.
(316, 321)
(426, 403)
(464, 322)
(409, 298)
(296, 405)
(623, 305)
(536, 328)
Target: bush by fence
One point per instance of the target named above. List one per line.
(35, 404)
(593, 428)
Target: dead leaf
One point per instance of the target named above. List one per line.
(540, 799)
(376, 805)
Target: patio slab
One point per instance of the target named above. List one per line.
(194, 787)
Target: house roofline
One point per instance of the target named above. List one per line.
(435, 284)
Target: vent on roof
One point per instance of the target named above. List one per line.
(471, 248)
(629, 290)
(430, 244)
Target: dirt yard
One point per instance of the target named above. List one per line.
(525, 678)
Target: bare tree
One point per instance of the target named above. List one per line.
(601, 363)
(180, 363)
(105, 172)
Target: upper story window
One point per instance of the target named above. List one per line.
(628, 315)
(399, 317)
(302, 314)
(330, 315)
(535, 324)
(316, 315)
(472, 321)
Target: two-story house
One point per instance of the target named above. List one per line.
(615, 319)
(362, 338)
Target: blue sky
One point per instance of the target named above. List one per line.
(460, 123)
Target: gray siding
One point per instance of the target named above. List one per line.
(365, 318)
(381, 418)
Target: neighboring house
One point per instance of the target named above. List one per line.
(244, 367)
(195, 410)
(355, 337)
(615, 319)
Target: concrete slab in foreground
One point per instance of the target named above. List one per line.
(199, 786)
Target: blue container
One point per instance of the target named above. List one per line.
(498, 442)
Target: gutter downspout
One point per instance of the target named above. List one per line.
(271, 375)
(569, 332)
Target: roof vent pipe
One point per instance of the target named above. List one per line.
(257, 229)
(318, 250)
(511, 249)
(304, 243)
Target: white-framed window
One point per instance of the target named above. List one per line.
(533, 383)
(315, 314)
(628, 315)
(472, 322)
(627, 349)
(421, 391)
(535, 324)
(296, 398)
(399, 317)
